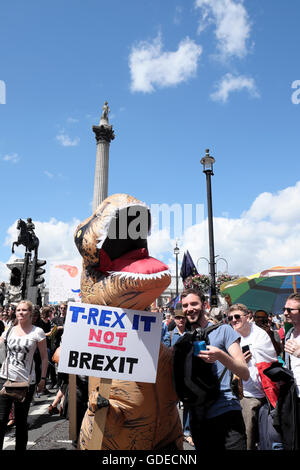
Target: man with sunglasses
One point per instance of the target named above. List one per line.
(292, 345)
(222, 426)
(263, 320)
(291, 312)
(258, 349)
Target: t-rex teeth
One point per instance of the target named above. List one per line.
(140, 275)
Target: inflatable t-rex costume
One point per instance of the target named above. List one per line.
(118, 271)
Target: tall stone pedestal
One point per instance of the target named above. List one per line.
(104, 135)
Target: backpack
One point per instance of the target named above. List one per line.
(194, 380)
(269, 437)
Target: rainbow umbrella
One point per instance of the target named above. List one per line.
(266, 290)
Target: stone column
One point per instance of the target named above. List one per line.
(104, 135)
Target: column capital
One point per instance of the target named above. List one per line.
(103, 133)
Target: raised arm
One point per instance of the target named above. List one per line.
(234, 361)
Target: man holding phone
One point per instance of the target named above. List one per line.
(257, 348)
(222, 426)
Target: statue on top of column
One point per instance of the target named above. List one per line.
(104, 116)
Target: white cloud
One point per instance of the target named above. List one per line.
(72, 120)
(230, 83)
(13, 158)
(266, 235)
(159, 243)
(4, 272)
(66, 141)
(56, 240)
(150, 67)
(232, 25)
(56, 245)
(282, 207)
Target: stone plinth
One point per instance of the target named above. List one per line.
(104, 134)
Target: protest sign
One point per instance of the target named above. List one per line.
(110, 342)
(64, 282)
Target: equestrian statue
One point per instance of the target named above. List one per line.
(26, 236)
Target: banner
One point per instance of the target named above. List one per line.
(64, 282)
(110, 342)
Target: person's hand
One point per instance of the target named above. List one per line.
(211, 354)
(41, 386)
(247, 356)
(292, 347)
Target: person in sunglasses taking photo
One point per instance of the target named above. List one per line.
(291, 312)
(258, 349)
(263, 320)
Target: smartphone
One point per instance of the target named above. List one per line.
(199, 346)
(245, 348)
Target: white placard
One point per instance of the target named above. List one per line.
(64, 282)
(110, 342)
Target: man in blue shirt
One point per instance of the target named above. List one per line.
(221, 427)
(172, 336)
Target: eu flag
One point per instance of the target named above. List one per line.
(187, 268)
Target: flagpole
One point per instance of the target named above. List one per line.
(176, 253)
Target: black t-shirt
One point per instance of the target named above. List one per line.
(46, 326)
(58, 321)
(2, 327)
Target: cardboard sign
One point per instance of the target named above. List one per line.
(110, 342)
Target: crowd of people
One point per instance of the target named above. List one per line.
(244, 344)
(29, 337)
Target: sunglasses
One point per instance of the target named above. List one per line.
(289, 310)
(236, 317)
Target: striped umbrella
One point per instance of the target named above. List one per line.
(266, 290)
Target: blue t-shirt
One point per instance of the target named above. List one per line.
(164, 331)
(222, 338)
(171, 337)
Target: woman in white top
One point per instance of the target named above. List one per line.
(22, 341)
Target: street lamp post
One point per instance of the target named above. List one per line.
(217, 260)
(207, 163)
(176, 253)
(223, 259)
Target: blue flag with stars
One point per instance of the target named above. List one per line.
(187, 268)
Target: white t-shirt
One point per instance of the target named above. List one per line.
(262, 350)
(20, 350)
(295, 364)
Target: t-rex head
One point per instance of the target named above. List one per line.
(117, 269)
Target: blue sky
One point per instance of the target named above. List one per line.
(180, 77)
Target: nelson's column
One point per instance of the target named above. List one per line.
(104, 134)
